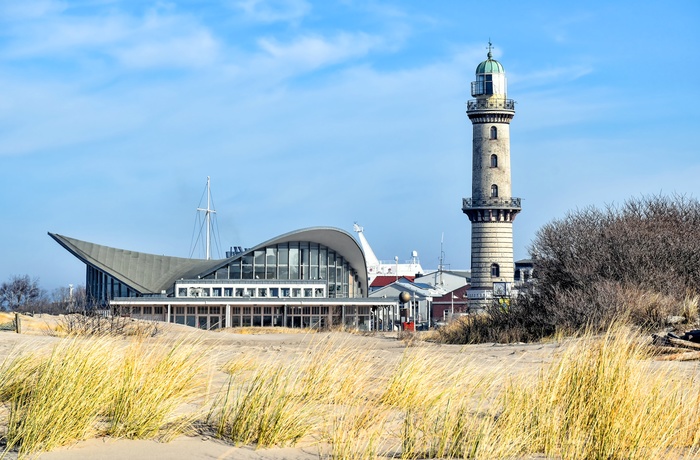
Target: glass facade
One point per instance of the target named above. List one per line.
(319, 271)
(102, 287)
(297, 260)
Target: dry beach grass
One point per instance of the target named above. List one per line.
(198, 394)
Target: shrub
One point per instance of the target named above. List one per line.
(595, 265)
(76, 324)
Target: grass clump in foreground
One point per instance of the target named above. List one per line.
(602, 397)
(98, 386)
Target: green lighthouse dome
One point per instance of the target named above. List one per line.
(489, 66)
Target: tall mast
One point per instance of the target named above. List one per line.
(208, 212)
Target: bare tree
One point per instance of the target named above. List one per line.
(19, 293)
(595, 265)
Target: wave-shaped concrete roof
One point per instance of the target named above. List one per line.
(152, 274)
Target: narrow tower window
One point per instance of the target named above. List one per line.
(494, 191)
(494, 161)
(495, 270)
(494, 132)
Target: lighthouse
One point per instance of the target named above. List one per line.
(492, 207)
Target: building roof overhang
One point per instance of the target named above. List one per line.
(153, 274)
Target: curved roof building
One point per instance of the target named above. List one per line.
(322, 270)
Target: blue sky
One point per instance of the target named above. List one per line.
(307, 113)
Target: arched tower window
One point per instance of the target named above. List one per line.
(494, 161)
(494, 191)
(494, 132)
(495, 270)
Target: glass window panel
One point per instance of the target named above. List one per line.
(182, 292)
(259, 257)
(283, 254)
(235, 270)
(271, 261)
(293, 262)
(247, 268)
(274, 292)
(222, 273)
(304, 248)
(259, 272)
(271, 255)
(313, 255)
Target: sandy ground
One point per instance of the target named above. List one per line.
(520, 358)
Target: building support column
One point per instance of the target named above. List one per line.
(227, 320)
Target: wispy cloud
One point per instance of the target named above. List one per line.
(27, 9)
(314, 51)
(269, 11)
(155, 38)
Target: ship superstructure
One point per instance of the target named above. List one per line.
(376, 267)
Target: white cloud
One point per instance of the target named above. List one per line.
(159, 38)
(26, 9)
(274, 10)
(546, 76)
(197, 49)
(311, 52)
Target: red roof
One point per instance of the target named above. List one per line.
(383, 280)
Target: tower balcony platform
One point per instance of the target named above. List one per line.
(490, 203)
(491, 209)
(491, 104)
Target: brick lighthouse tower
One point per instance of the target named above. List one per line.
(492, 208)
